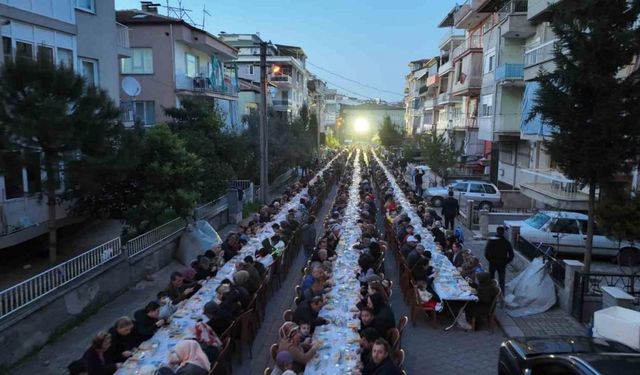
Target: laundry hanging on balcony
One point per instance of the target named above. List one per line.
(217, 74)
(535, 126)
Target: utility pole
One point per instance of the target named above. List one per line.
(264, 133)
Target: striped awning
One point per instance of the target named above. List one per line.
(535, 126)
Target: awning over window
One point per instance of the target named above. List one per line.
(535, 126)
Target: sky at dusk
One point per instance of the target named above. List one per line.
(369, 41)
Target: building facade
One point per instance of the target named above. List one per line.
(287, 71)
(372, 114)
(82, 34)
(172, 60)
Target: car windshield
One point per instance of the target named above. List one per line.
(537, 221)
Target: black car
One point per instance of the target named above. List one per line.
(566, 356)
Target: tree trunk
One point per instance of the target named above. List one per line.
(51, 203)
(590, 224)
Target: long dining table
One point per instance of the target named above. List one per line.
(153, 353)
(448, 283)
(338, 353)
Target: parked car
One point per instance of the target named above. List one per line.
(566, 232)
(484, 193)
(566, 356)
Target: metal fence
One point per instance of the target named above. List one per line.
(30, 290)
(147, 240)
(554, 266)
(587, 292)
(211, 209)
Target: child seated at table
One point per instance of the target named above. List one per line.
(305, 332)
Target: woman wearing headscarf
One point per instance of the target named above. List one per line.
(487, 292)
(190, 359)
(290, 342)
(383, 319)
(241, 282)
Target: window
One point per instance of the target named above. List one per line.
(13, 182)
(45, 52)
(24, 50)
(88, 5)
(193, 62)
(476, 188)
(489, 189)
(251, 69)
(537, 221)
(486, 105)
(569, 226)
(489, 62)
(140, 62)
(89, 70)
(583, 227)
(143, 111)
(7, 49)
(553, 369)
(460, 187)
(65, 57)
(34, 176)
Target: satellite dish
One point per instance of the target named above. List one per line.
(131, 86)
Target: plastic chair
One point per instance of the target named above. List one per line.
(287, 315)
(273, 351)
(399, 357)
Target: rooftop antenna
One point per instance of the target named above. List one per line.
(204, 14)
(180, 12)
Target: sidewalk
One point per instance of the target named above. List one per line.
(553, 322)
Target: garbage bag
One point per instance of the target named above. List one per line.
(531, 292)
(196, 240)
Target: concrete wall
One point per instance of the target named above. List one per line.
(98, 40)
(32, 327)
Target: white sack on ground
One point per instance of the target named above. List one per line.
(196, 240)
(531, 292)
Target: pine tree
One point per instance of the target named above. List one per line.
(593, 109)
(51, 111)
(389, 134)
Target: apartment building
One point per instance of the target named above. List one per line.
(333, 103)
(317, 103)
(172, 60)
(414, 82)
(82, 34)
(289, 76)
(429, 97)
(448, 110)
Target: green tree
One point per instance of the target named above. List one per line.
(594, 111)
(168, 177)
(313, 131)
(437, 150)
(389, 134)
(619, 217)
(200, 125)
(50, 111)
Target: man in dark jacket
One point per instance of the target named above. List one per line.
(418, 180)
(380, 363)
(219, 319)
(308, 311)
(146, 320)
(450, 209)
(499, 253)
(309, 235)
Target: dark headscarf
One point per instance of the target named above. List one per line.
(378, 302)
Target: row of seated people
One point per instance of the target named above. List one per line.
(110, 349)
(418, 260)
(296, 347)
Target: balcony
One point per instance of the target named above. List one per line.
(468, 85)
(445, 67)
(448, 36)
(539, 9)
(510, 72)
(468, 16)
(538, 53)
(281, 105)
(203, 85)
(457, 123)
(282, 80)
(447, 98)
(513, 17)
(551, 187)
(471, 44)
(123, 40)
(430, 103)
(433, 80)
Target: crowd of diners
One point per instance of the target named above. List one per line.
(380, 352)
(416, 260)
(202, 353)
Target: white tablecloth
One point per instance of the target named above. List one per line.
(184, 320)
(339, 353)
(448, 284)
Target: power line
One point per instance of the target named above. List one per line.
(347, 90)
(353, 80)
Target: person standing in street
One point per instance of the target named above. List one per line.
(450, 209)
(418, 181)
(499, 253)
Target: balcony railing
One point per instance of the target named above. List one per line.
(553, 183)
(514, 6)
(509, 72)
(446, 97)
(123, 35)
(280, 102)
(282, 79)
(445, 66)
(539, 53)
(462, 12)
(430, 103)
(204, 84)
(473, 42)
(432, 80)
(451, 33)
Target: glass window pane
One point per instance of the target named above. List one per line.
(192, 65)
(88, 72)
(489, 189)
(126, 110)
(24, 50)
(149, 113)
(569, 226)
(476, 188)
(460, 187)
(65, 57)
(7, 49)
(86, 4)
(45, 52)
(14, 187)
(139, 112)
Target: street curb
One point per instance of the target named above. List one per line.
(508, 325)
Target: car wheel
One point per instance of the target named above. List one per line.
(629, 257)
(436, 202)
(486, 206)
